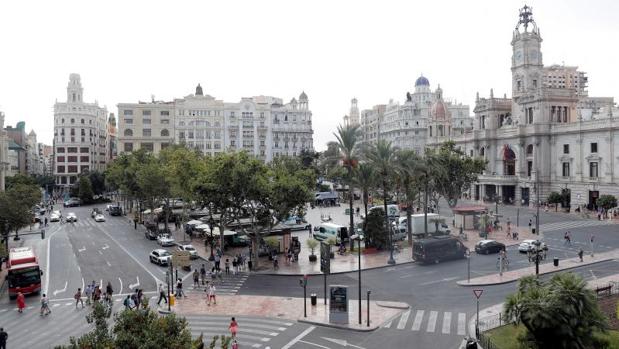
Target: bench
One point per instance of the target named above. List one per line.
(603, 290)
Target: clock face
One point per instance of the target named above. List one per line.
(518, 56)
(533, 55)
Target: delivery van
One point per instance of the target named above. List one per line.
(328, 230)
(437, 249)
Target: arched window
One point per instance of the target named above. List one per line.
(165, 133)
(530, 150)
(482, 152)
(128, 133)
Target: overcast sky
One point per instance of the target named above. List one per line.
(333, 50)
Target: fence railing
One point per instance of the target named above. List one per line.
(486, 343)
(602, 291)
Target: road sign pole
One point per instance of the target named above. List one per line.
(325, 280)
(477, 321)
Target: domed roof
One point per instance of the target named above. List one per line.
(303, 97)
(439, 110)
(422, 81)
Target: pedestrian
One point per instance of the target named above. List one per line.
(235, 265)
(162, 295)
(45, 305)
(309, 229)
(46, 221)
(509, 232)
(96, 295)
(234, 327)
(21, 302)
(217, 260)
(140, 294)
(211, 294)
(135, 223)
(196, 279)
(275, 262)
(88, 293)
(3, 337)
(203, 274)
(580, 254)
(78, 298)
(128, 303)
(235, 344)
(227, 264)
(179, 289)
(108, 291)
(530, 224)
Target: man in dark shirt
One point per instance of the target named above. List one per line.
(3, 337)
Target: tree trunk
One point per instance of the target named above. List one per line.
(387, 213)
(425, 209)
(409, 224)
(350, 193)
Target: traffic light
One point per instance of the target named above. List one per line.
(42, 234)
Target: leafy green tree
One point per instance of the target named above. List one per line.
(85, 192)
(97, 181)
(607, 201)
(376, 234)
(349, 151)
(561, 313)
(365, 179)
(154, 185)
(47, 182)
(555, 198)
(16, 205)
(453, 171)
(11, 181)
(408, 174)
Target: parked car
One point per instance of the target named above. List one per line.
(72, 202)
(71, 217)
(160, 257)
(115, 210)
(528, 245)
(95, 212)
(151, 234)
(165, 240)
(55, 217)
(489, 246)
(100, 218)
(189, 248)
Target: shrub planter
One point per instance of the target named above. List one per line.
(313, 258)
(331, 255)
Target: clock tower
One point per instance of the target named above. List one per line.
(527, 67)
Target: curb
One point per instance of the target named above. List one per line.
(341, 327)
(335, 273)
(394, 305)
(463, 283)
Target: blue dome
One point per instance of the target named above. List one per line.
(422, 81)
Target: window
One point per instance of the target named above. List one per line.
(128, 147)
(60, 169)
(593, 169)
(165, 122)
(145, 112)
(147, 146)
(60, 159)
(534, 83)
(82, 121)
(529, 168)
(63, 180)
(566, 148)
(84, 159)
(128, 121)
(594, 148)
(60, 150)
(127, 112)
(566, 169)
(530, 150)
(83, 132)
(164, 145)
(72, 169)
(72, 132)
(84, 150)
(83, 168)
(72, 150)
(146, 132)
(72, 121)
(128, 133)
(165, 133)
(146, 121)
(72, 159)
(164, 113)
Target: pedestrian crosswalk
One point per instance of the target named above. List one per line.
(227, 285)
(252, 333)
(566, 225)
(430, 321)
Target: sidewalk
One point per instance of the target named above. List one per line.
(545, 268)
(499, 235)
(291, 309)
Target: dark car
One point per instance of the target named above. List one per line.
(489, 246)
(72, 203)
(116, 211)
(151, 234)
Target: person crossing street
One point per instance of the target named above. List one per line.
(45, 310)
(78, 298)
(162, 294)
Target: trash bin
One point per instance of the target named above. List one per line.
(171, 299)
(313, 299)
(533, 231)
(556, 261)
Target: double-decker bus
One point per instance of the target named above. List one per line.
(24, 272)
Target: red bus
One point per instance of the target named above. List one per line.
(24, 272)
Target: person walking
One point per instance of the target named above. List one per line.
(78, 298)
(21, 302)
(3, 338)
(128, 303)
(217, 260)
(235, 265)
(211, 294)
(580, 254)
(88, 293)
(196, 279)
(45, 310)
(46, 221)
(234, 328)
(108, 292)
(179, 289)
(203, 274)
(162, 294)
(227, 265)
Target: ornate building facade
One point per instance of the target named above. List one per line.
(549, 137)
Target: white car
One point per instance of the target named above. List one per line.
(54, 217)
(71, 217)
(99, 218)
(160, 256)
(189, 248)
(165, 240)
(528, 245)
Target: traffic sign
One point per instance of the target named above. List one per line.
(181, 258)
(478, 293)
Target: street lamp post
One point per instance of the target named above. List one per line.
(468, 267)
(537, 257)
(359, 238)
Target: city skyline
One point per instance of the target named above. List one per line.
(287, 53)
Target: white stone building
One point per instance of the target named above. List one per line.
(261, 125)
(550, 136)
(4, 153)
(79, 135)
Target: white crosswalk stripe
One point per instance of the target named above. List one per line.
(571, 225)
(227, 285)
(414, 319)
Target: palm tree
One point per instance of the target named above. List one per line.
(365, 180)
(382, 156)
(560, 313)
(408, 171)
(347, 144)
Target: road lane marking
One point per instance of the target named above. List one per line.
(417, 321)
(63, 290)
(121, 285)
(432, 321)
(100, 252)
(461, 324)
(83, 285)
(403, 320)
(105, 247)
(81, 249)
(47, 258)
(299, 337)
(446, 322)
(108, 263)
(132, 286)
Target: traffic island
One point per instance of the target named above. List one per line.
(291, 308)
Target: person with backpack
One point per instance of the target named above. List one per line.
(78, 298)
(128, 303)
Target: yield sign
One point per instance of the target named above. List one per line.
(478, 293)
